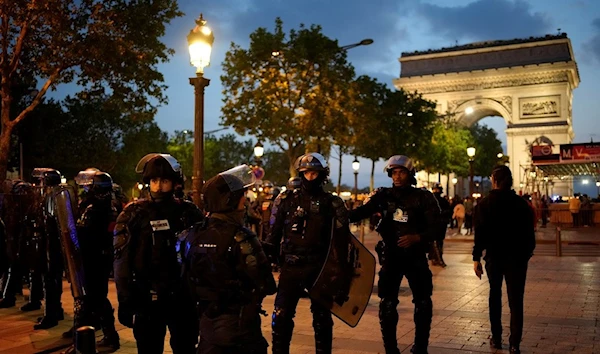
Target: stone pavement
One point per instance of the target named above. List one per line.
(562, 307)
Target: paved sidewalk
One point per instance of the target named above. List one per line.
(562, 307)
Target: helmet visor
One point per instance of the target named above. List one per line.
(85, 178)
(170, 159)
(238, 178)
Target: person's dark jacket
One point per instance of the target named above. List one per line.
(504, 227)
(419, 213)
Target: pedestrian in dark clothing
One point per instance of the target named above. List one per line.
(504, 228)
(436, 249)
(410, 220)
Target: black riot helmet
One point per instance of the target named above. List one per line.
(312, 161)
(96, 183)
(160, 166)
(401, 161)
(47, 176)
(294, 183)
(222, 192)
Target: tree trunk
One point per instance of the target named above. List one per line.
(4, 152)
(339, 183)
(372, 183)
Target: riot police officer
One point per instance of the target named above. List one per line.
(227, 269)
(409, 220)
(94, 230)
(147, 273)
(304, 221)
(48, 180)
(25, 252)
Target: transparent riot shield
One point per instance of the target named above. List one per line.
(65, 212)
(345, 283)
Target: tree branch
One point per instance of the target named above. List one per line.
(37, 99)
(14, 62)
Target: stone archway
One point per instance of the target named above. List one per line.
(528, 82)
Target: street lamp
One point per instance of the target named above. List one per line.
(200, 41)
(471, 154)
(598, 187)
(259, 150)
(366, 41)
(355, 167)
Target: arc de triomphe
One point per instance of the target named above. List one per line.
(528, 82)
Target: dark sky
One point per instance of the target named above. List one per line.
(396, 26)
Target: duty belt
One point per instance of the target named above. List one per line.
(292, 259)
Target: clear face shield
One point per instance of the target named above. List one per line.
(170, 159)
(238, 178)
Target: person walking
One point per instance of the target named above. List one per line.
(459, 215)
(504, 228)
(574, 208)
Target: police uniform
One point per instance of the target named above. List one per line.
(227, 269)
(147, 273)
(302, 222)
(405, 211)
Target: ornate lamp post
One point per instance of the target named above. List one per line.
(355, 167)
(200, 41)
(471, 154)
(259, 151)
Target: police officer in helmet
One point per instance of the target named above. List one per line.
(146, 269)
(48, 180)
(225, 265)
(304, 221)
(98, 215)
(409, 221)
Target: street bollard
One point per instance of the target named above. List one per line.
(558, 242)
(85, 340)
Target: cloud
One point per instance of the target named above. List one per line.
(485, 20)
(592, 47)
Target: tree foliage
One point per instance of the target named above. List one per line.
(76, 134)
(487, 147)
(105, 47)
(447, 150)
(287, 89)
(220, 153)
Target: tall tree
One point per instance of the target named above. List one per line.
(487, 147)
(102, 46)
(290, 90)
(369, 120)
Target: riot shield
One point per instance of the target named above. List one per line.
(64, 210)
(345, 283)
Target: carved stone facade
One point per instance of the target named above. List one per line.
(490, 82)
(529, 84)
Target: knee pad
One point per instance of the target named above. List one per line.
(424, 306)
(280, 318)
(388, 306)
(322, 319)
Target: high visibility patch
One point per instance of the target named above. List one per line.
(400, 216)
(160, 225)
